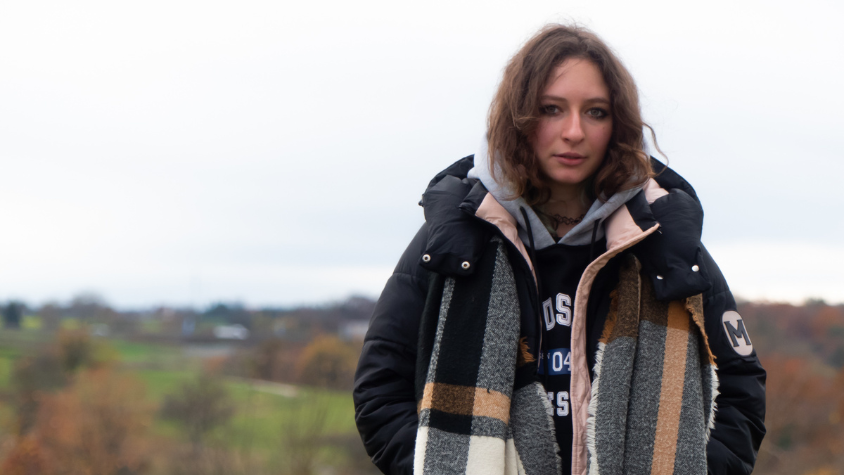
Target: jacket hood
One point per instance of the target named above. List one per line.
(671, 257)
(579, 235)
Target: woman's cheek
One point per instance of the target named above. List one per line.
(605, 132)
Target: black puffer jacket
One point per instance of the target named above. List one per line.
(385, 407)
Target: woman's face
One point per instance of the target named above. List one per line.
(575, 125)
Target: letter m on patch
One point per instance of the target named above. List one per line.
(736, 333)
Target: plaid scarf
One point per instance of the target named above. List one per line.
(653, 396)
(481, 409)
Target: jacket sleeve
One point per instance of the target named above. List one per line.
(385, 405)
(740, 415)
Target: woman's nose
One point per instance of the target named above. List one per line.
(572, 129)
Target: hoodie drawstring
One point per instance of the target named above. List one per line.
(592, 244)
(530, 243)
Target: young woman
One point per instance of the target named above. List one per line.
(557, 312)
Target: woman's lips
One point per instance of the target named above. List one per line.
(570, 158)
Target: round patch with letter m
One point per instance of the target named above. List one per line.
(736, 333)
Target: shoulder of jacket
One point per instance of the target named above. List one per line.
(673, 258)
(456, 238)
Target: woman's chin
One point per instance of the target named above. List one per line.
(568, 181)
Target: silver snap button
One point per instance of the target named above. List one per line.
(426, 258)
(465, 265)
(659, 277)
(695, 268)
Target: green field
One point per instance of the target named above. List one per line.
(131, 352)
(260, 413)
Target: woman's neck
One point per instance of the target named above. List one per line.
(566, 207)
(568, 200)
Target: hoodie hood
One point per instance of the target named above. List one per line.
(579, 235)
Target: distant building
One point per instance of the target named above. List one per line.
(231, 332)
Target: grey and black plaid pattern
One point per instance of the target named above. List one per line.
(470, 419)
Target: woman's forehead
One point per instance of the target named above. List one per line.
(579, 77)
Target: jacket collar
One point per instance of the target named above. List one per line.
(671, 258)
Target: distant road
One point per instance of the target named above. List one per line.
(279, 389)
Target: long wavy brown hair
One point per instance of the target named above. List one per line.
(514, 115)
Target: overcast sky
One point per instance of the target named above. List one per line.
(187, 152)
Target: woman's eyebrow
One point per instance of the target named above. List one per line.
(601, 100)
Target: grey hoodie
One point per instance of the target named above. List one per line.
(579, 235)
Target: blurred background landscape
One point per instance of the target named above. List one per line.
(201, 200)
(86, 389)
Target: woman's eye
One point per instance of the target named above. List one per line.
(597, 113)
(549, 110)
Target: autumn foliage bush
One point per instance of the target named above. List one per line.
(199, 406)
(328, 362)
(96, 426)
(51, 369)
(25, 458)
(803, 418)
(76, 414)
(802, 350)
